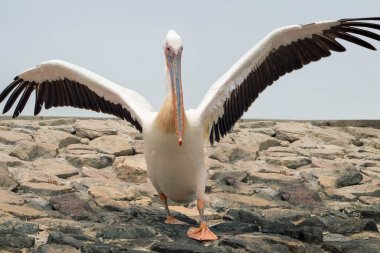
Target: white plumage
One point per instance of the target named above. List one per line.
(174, 137)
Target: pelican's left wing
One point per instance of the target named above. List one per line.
(58, 83)
(280, 52)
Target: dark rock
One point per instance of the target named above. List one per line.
(126, 232)
(350, 176)
(304, 233)
(245, 216)
(71, 205)
(16, 240)
(357, 142)
(349, 226)
(17, 226)
(260, 243)
(61, 238)
(106, 248)
(368, 245)
(175, 247)
(299, 194)
(370, 212)
(234, 228)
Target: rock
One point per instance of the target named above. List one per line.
(234, 228)
(231, 155)
(9, 161)
(16, 240)
(29, 151)
(11, 198)
(59, 138)
(303, 233)
(357, 142)
(24, 175)
(172, 247)
(333, 136)
(92, 160)
(53, 248)
(6, 180)
(26, 124)
(131, 169)
(23, 212)
(370, 200)
(58, 167)
(261, 243)
(267, 131)
(264, 145)
(283, 156)
(291, 131)
(349, 176)
(79, 155)
(56, 122)
(113, 145)
(307, 142)
(45, 189)
(64, 239)
(368, 212)
(290, 162)
(336, 225)
(130, 232)
(115, 195)
(17, 226)
(330, 152)
(104, 247)
(366, 245)
(236, 200)
(299, 194)
(92, 129)
(71, 205)
(256, 124)
(96, 173)
(11, 138)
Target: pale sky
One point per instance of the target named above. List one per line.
(122, 41)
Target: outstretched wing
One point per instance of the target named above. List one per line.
(58, 83)
(282, 51)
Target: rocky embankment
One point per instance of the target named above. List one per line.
(81, 185)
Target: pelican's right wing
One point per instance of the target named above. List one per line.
(58, 83)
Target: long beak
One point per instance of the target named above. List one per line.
(179, 113)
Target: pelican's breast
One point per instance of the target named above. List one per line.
(177, 171)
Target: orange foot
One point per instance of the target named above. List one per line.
(203, 233)
(172, 220)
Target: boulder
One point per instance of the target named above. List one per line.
(29, 151)
(113, 144)
(131, 169)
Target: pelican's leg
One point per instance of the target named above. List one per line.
(169, 218)
(203, 233)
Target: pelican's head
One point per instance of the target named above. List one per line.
(173, 52)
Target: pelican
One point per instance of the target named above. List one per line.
(173, 137)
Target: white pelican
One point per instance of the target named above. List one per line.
(174, 137)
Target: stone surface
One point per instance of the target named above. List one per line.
(45, 189)
(29, 151)
(114, 145)
(81, 185)
(131, 169)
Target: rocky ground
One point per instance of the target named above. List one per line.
(81, 185)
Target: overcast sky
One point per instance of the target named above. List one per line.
(122, 41)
